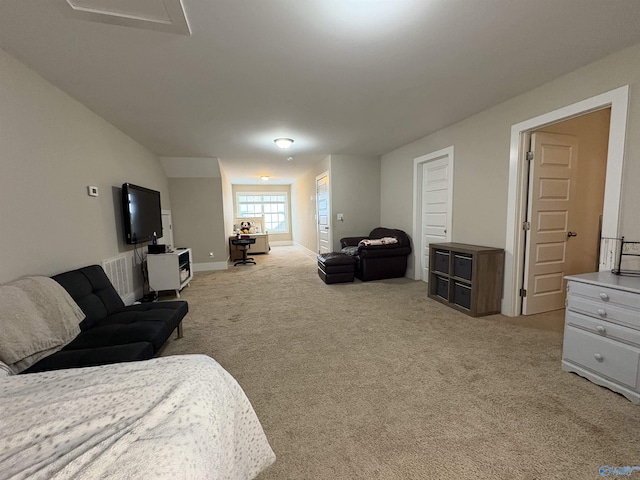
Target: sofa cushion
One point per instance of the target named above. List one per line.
(170, 313)
(351, 250)
(92, 291)
(147, 322)
(384, 251)
(111, 335)
(91, 357)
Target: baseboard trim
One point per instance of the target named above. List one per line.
(209, 266)
(315, 254)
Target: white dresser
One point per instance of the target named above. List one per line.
(602, 331)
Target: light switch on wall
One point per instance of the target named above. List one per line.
(92, 191)
(340, 217)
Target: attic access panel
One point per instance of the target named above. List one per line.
(161, 15)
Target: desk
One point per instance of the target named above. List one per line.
(261, 245)
(243, 243)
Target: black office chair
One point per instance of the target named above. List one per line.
(243, 243)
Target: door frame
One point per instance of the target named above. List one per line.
(418, 163)
(327, 174)
(618, 101)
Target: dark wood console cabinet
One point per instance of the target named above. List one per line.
(466, 277)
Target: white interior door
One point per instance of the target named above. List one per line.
(167, 229)
(436, 207)
(323, 213)
(552, 180)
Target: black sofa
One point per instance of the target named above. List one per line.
(111, 331)
(377, 262)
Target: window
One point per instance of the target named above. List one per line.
(272, 207)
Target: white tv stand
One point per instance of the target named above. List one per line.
(170, 271)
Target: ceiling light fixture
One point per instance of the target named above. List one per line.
(289, 159)
(283, 142)
(264, 178)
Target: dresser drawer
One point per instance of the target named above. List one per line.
(603, 328)
(605, 295)
(603, 310)
(602, 355)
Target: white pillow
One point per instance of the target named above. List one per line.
(5, 370)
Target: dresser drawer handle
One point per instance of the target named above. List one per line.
(598, 357)
(600, 329)
(604, 296)
(602, 312)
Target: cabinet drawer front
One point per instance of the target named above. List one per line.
(602, 355)
(462, 266)
(462, 295)
(442, 287)
(603, 310)
(605, 294)
(603, 328)
(441, 261)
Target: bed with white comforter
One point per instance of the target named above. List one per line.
(180, 417)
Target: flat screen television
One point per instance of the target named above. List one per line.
(142, 213)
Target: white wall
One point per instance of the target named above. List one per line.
(354, 183)
(227, 206)
(198, 219)
(355, 192)
(482, 153)
(51, 149)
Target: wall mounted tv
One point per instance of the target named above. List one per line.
(141, 212)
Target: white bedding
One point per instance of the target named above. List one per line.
(181, 417)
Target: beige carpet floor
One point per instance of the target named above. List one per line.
(376, 381)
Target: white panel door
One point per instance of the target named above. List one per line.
(436, 207)
(167, 229)
(323, 213)
(552, 180)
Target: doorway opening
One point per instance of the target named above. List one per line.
(567, 169)
(167, 229)
(517, 208)
(323, 213)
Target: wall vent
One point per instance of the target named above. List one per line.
(120, 275)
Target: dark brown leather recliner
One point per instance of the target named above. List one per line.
(376, 262)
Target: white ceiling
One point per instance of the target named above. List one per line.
(338, 76)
